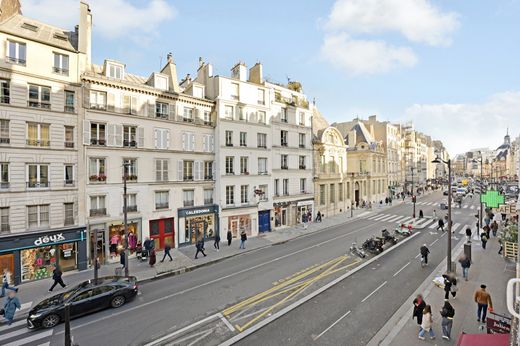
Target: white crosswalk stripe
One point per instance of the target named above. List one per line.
(472, 207)
(17, 334)
(465, 206)
(401, 219)
(395, 218)
(378, 217)
(425, 223)
(433, 225)
(388, 217)
(407, 220)
(454, 227)
(463, 229)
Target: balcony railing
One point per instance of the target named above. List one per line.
(97, 178)
(283, 144)
(98, 106)
(263, 146)
(69, 144)
(130, 177)
(302, 146)
(38, 142)
(131, 208)
(283, 120)
(13, 60)
(69, 109)
(161, 205)
(37, 104)
(4, 99)
(162, 115)
(261, 102)
(187, 178)
(208, 177)
(262, 173)
(244, 173)
(68, 221)
(5, 140)
(229, 144)
(302, 166)
(187, 120)
(4, 185)
(284, 167)
(230, 173)
(129, 144)
(38, 185)
(60, 70)
(98, 212)
(5, 229)
(69, 182)
(208, 201)
(100, 141)
(189, 203)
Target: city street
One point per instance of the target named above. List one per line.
(182, 309)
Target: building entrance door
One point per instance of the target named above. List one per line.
(162, 232)
(197, 230)
(264, 221)
(356, 194)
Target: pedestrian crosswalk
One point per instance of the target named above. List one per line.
(465, 206)
(17, 333)
(418, 223)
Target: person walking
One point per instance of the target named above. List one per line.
(418, 307)
(484, 239)
(494, 228)
(447, 314)
(440, 225)
(421, 214)
(483, 300)
(6, 278)
(318, 216)
(468, 234)
(216, 244)
(229, 238)
(501, 246)
(426, 324)
(243, 238)
(167, 250)
(434, 214)
(200, 247)
(10, 305)
(56, 276)
(450, 286)
(424, 254)
(152, 256)
(122, 258)
(465, 263)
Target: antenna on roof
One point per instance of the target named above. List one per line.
(288, 79)
(160, 62)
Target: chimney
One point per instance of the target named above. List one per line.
(170, 69)
(239, 71)
(169, 58)
(352, 139)
(201, 62)
(85, 31)
(372, 118)
(9, 8)
(255, 74)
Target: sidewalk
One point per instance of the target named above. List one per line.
(487, 268)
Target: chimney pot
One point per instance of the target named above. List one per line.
(169, 57)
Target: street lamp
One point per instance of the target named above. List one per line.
(481, 188)
(439, 160)
(413, 195)
(125, 214)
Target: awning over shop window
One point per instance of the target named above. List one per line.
(483, 340)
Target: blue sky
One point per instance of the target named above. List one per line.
(450, 66)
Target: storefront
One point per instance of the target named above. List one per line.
(239, 223)
(111, 239)
(162, 232)
(281, 214)
(33, 256)
(305, 207)
(196, 223)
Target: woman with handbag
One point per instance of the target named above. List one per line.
(426, 325)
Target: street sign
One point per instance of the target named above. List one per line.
(492, 199)
(498, 324)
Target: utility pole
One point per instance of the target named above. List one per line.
(449, 217)
(68, 338)
(125, 213)
(413, 196)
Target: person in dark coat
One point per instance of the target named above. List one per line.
(56, 276)
(441, 225)
(424, 253)
(243, 238)
(418, 307)
(484, 239)
(200, 247)
(216, 244)
(421, 214)
(167, 249)
(465, 263)
(318, 216)
(152, 257)
(468, 234)
(494, 228)
(447, 314)
(122, 258)
(10, 305)
(450, 285)
(229, 238)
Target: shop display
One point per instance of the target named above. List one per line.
(38, 263)
(116, 238)
(196, 226)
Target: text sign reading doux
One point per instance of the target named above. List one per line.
(14, 242)
(46, 239)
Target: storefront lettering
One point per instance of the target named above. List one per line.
(196, 212)
(49, 239)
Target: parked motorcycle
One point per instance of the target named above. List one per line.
(403, 230)
(355, 250)
(388, 238)
(373, 245)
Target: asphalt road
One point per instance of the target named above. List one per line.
(170, 304)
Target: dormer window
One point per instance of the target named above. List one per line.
(161, 82)
(115, 71)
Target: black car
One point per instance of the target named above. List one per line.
(85, 298)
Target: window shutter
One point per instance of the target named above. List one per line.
(133, 106)
(192, 142)
(86, 132)
(184, 135)
(86, 98)
(151, 110)
(167, 144)
(165, 170)
(158, 170)
(111, 101)
(172, 111)
(111, 135)
(212, 143)
(180, 166)
(140, 137)
(200, 170)
(213, 170)
(156, 138)
(205, 143)
(119, 135)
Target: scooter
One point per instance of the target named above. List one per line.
(403, 230)
(355, 250)
(373, 245)
(388, 238)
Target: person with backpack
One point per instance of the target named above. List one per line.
(447, 314)
(10, 305)
(418, 308)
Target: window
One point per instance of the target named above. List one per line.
(68, 175)
(162, 199)
(332, 193)
(16, 52)
(229, 165)
(97, 134)
(38, 216)
(283, 115)
(243, 139)
(283, 162)
(38, 135)
(340, 192)
(4, 91)
(208, 196)
(97, 170)
(162, 138)
(261, 117)
(98, 100)
(244, 165)
(4, 131)
(61, 64)
(187, 171)
(283, 138)
(244, 191)
(39, 96)
(228, 112)
(161, 110)
(68, 211)
(161, 170)
(303, 185)
(188, 141)
(129, 104)
(37, 175)
(131, 169)
(241, 114)
(69, 137)
(207, 118)
(208, 170)
(277, 187)
(322, 164)
(261, 96)
(230, 195)
(115, 71)
(301, 121)
(4, 175)
(332, 164)
(261, 140)
(285, 187)
(97, 206)
(130, 136)
(4, 220)
(188, 196)
(301, 137)
(301, 164)
(131, 202)
(322, 194)
(188, 115)
(229, 138)
(262, 165)
(263, 193)
(235, 91)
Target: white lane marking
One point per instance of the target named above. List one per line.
(472, 207)
(463, 229)
(400, 270)
(31, 338)
(364, 214)
(332, 325)
(15, 333)
(379, 217)
(14, 324)
(418, 255)
(394, 218)
(226, 322)
(433, 225)
(455, 226)
(48, 343)
(433, 243)
(373, 217)
(374, 291)
(465, 206)
(26, 306)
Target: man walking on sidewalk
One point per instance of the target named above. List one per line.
(468, 234)
(447, 314)
(56, 276)
(216, 244)
(243, 238)
(167, 249)
(465, 263)
(483, 300)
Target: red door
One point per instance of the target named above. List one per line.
(162, 232)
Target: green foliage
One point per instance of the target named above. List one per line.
(509, 233)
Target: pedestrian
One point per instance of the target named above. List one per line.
(243, 238)
(494, 228)
(483, 300)
(487, 229)
(200, 247)
(10, 305)
(56, 276)
(447, 314)
(318, 216)
(122, 258)
(229, 237)
(216, 244)
(484, 239)
(304, 220)
(424, 254)
(468, 234)
(6, 279)
(421, 214)
(465, 263)
(440, 225)
(167, 249)
(450, 285)
(418, 307)
(426, 325)
(152, 258)
(434, 214)
(147, 245)
(501, 246)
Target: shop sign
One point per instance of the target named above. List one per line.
(46, 239)
(498, 324)
(26, 241)
(198, 211)
(302, 203)
(67, 253)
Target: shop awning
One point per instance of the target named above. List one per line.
(483, 340)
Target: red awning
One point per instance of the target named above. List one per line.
(483, 340)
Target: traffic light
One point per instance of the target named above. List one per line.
(414, 199)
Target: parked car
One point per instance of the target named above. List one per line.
(85, 298)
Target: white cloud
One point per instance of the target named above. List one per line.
(111, 18)
(365, 56)
(465, 126)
